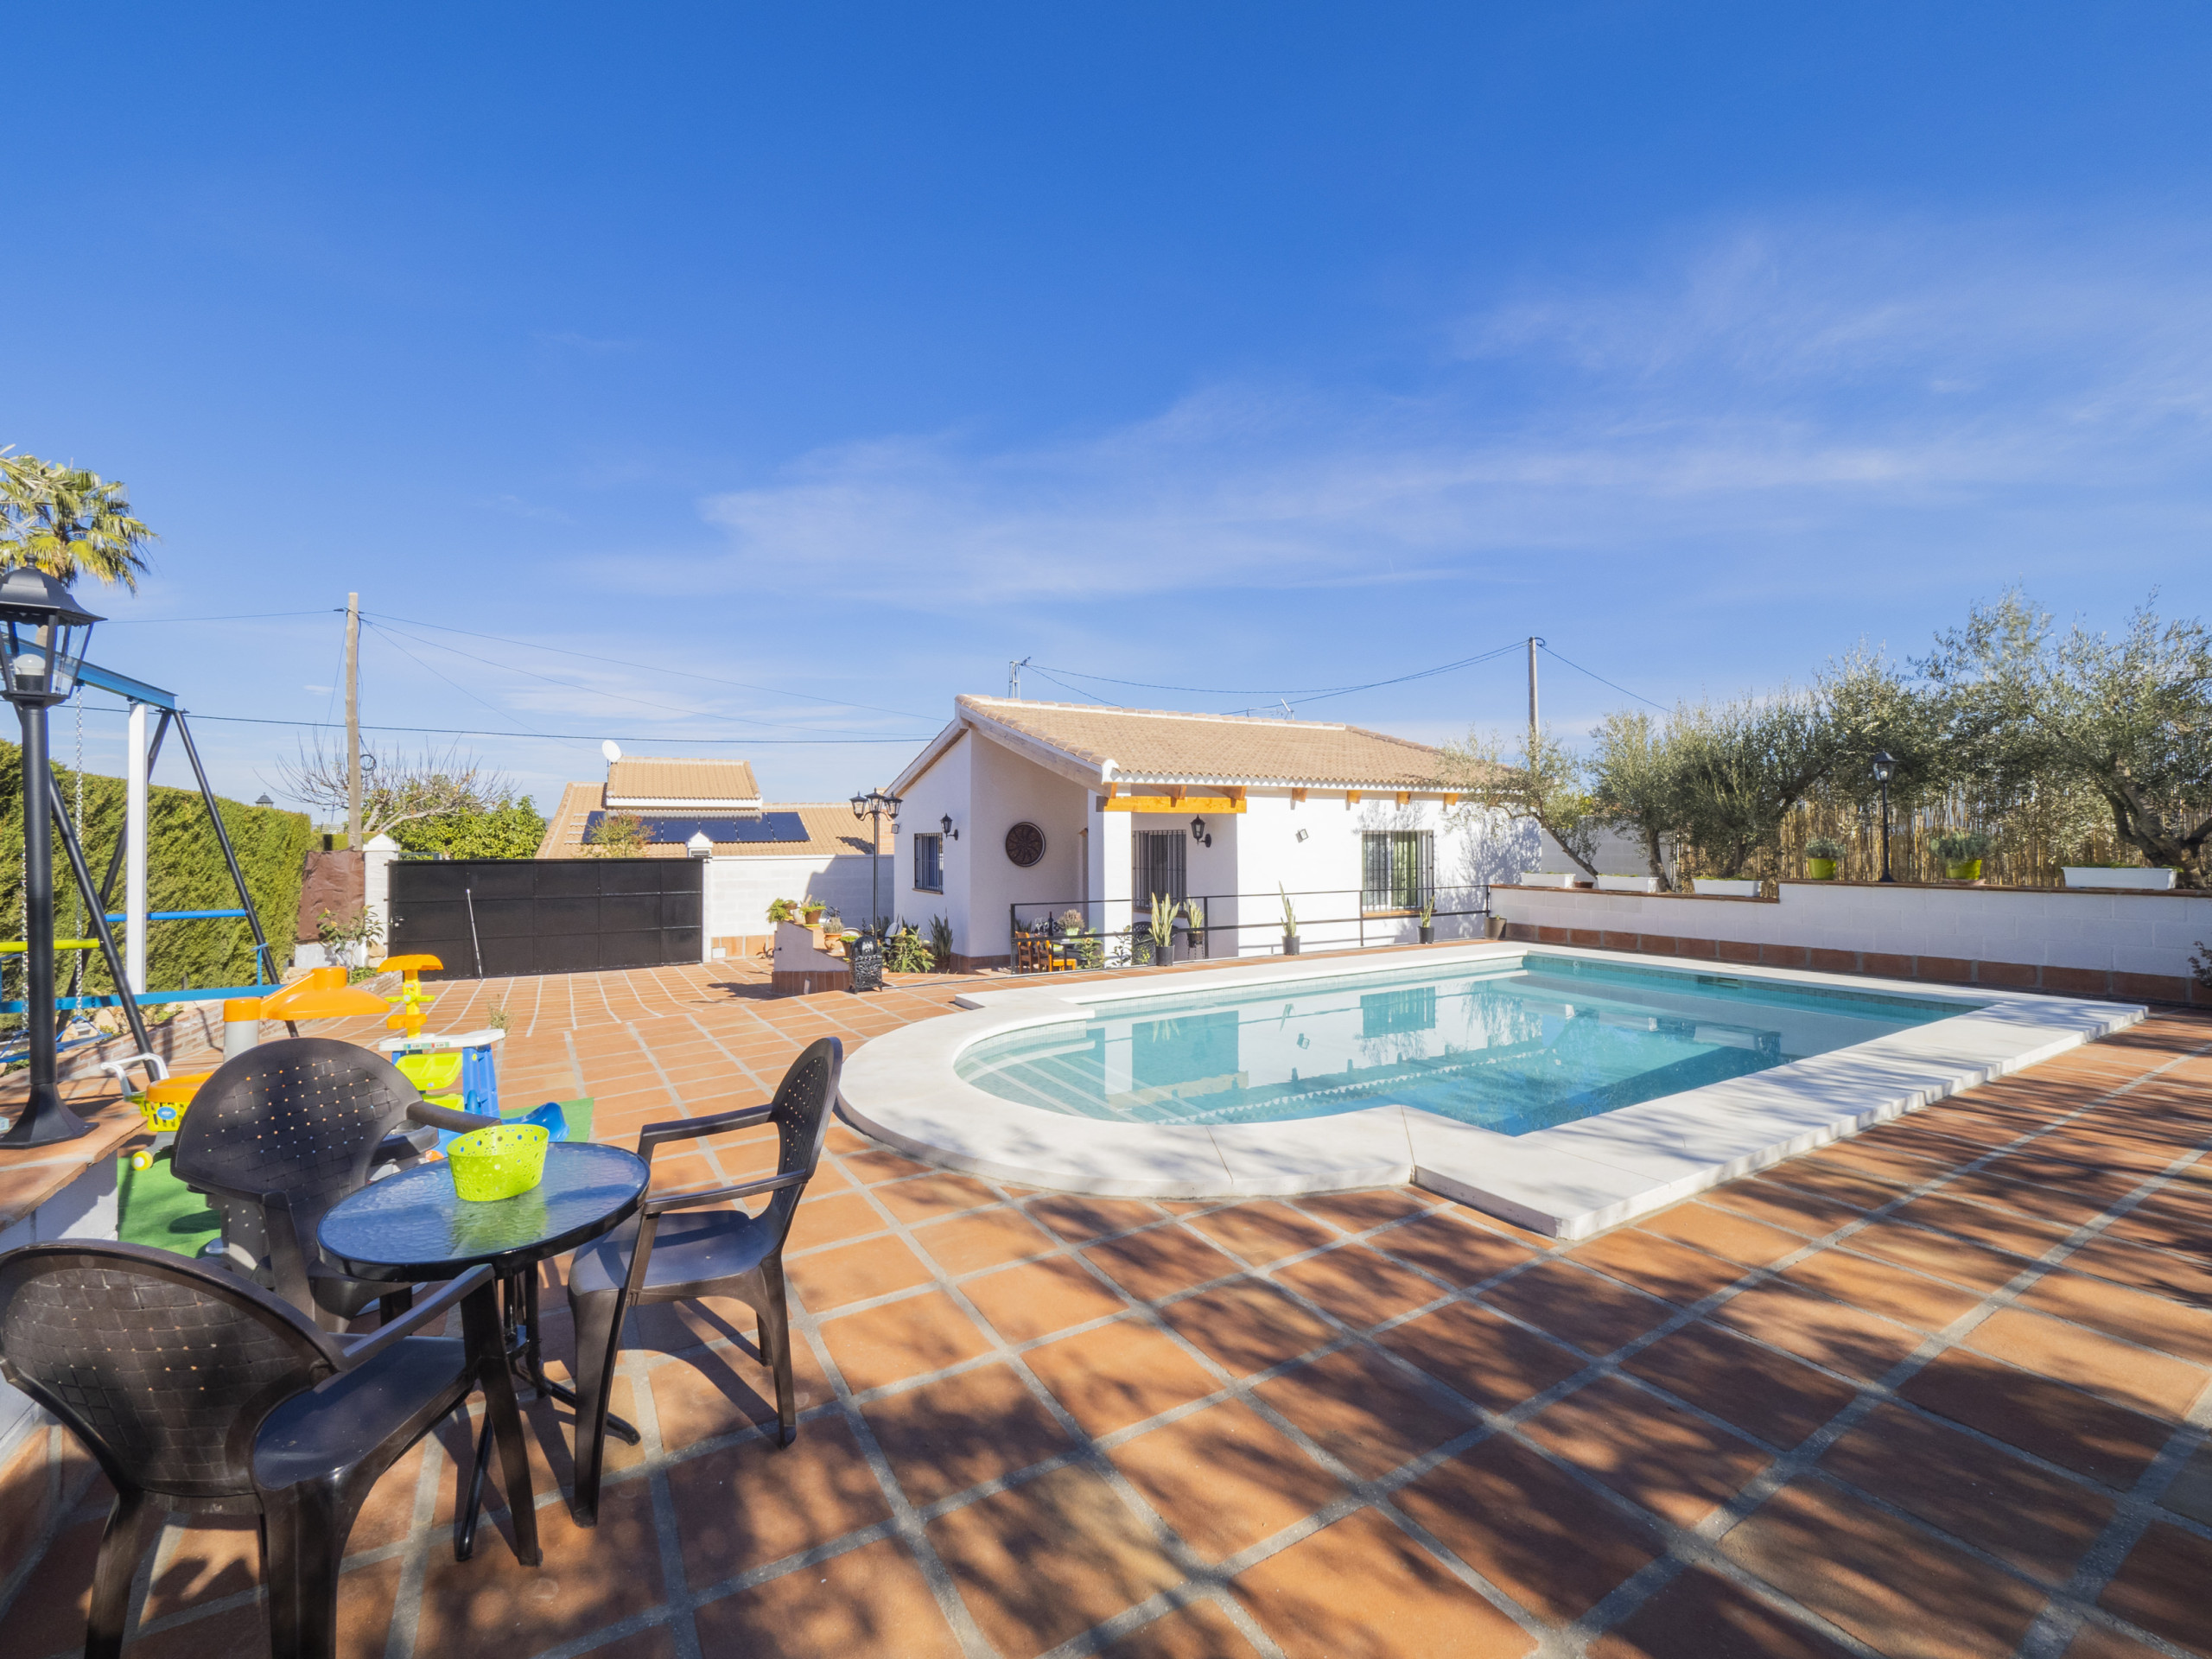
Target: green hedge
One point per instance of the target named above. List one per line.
(184, 871)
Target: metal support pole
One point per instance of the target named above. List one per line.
(1886, 876)
(82, 872)
(135, 797)
(45, 1118)
(352, 722)
(261, 959)
(1533, 642)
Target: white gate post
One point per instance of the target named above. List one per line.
(134, 853)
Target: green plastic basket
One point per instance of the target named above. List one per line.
(498, 1163)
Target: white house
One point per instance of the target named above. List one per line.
(1018, 810)
(757, 851)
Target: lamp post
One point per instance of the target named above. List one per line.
(1884, 769)
(43, 632)
(876, 805)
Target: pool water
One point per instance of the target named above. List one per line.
(1512, 1048)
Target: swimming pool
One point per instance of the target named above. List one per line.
(1513, 1048)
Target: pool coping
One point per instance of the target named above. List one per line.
(1566, 1182)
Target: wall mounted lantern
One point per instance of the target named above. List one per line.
(1198, 832)
(950, 833)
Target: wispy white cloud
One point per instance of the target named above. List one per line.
(1769, 388)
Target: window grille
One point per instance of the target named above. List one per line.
(1158, 859)
(1398, 870)
(929, 863)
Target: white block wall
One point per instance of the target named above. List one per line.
(739, 890)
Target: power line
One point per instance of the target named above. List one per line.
(1602, 680)
(243, 616)
(1305, 694)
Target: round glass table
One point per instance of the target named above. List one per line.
(414, 1226)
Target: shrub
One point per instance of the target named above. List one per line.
(1824, 847)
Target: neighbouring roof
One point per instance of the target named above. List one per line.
(1158, 746)
(659, 777)
(831, 829)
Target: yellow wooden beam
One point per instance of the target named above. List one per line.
(1298, 797)
(1200, 804)
(1404, 795)
(1351, 798)
(1450, 801)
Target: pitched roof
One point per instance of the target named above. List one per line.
(831, 830)
(1152, 745)
(667, 777)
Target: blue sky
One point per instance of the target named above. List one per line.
(790, 370)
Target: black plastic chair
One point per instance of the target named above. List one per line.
(722, 1252)
(305, 1118)
(197, 1390)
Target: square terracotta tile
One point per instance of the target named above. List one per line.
(1364, 1587)
(934, 1195)
(902, 1339)
(1224, 1477)
(1358, 1286)
(1892, 1586)
(870, 1600)
(854, 1273)
(1048, 1560)
(1591, 1312)
(1787, 1207)
(2003, 1229)
(213, 1557)
(1118, 1375)
(1670, 1460)
(752, 1503)
(366, 1598)
(1491, 1360)
(1909, 1298)
(944, 1437)
(1940, 1257)
(1078, 1219)
(1734, 1238)
(990, 1239)
(2074, 1430)
(1246, 1326)
(2042, 1522)
(1456, 1252)
(1359, 1212)
(2161, 1585)
(1199, 1629)
(1702, 1616)
(1766, 1395)
(2120, 1372)
(2095, 1641)
(1530, 1527)
(1659, 1266)
(2175, 1327)
(1264, 1232)
(2161, 1273)
(1160, 1263)
(877, 1164)
(833, 1218)
(1365, 1411)
(1829, 1333)
(1039, 1298)
(707, 1393)
(591, 1576)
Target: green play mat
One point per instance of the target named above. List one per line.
(155, 1208)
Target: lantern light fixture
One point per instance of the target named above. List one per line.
(945, 824)
(1885, 768)
(1198, 832)
(43, 634)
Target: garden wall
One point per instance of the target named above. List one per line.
(741, 889)
(2073, 942)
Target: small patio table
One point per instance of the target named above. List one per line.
(413, 1226)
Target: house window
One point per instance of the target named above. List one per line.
(929, 863)
(1398, 869)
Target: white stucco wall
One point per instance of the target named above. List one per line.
(737, 891)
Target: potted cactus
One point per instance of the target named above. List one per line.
(1962, 855)
(1289, 923)
(1195, 913)
(1822, 854)
(1428, 921)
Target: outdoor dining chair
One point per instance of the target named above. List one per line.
(308, 1117)
(721, 1252)
(196, 1390)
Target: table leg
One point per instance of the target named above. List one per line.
(532, 1367)
(486, 1330)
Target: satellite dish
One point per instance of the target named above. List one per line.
(612, 750)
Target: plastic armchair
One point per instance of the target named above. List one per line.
(196, 1390)
(723, 1252)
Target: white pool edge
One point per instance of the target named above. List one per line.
(1566, 1182)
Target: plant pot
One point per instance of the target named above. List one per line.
(1962, 869)
(2140, 880)
(1711, 887)
(1628, 884)
(1428, 932)
(1546, 878)
(1820, 869)
(1290, 944)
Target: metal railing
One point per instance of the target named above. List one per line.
(1071, 935)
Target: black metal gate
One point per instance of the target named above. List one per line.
(489, 918)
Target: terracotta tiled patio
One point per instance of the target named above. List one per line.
(1937, 1391)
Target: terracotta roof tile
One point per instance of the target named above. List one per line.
(667, 777)
(831, 828)
(1150, 743)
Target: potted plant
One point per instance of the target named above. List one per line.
(782, 910)
(1822, 855)
(1961, 854)
(1628, 884)
(1162, 936)
(1428, 921)
(1195, 913)
(810, 911)
(2135, 877)
(1729, 886)
(1289, 923)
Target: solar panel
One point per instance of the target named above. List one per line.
(662, 830)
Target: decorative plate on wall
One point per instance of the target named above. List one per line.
(1025, 844)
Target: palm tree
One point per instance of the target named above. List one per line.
(68, 522)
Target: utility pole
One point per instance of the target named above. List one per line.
(1013, 679)
(1533, 642)
(353, 719)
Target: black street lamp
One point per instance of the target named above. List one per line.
(1884, 769)
(43, 634)
(876, 805)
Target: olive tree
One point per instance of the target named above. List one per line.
(1547, 786)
